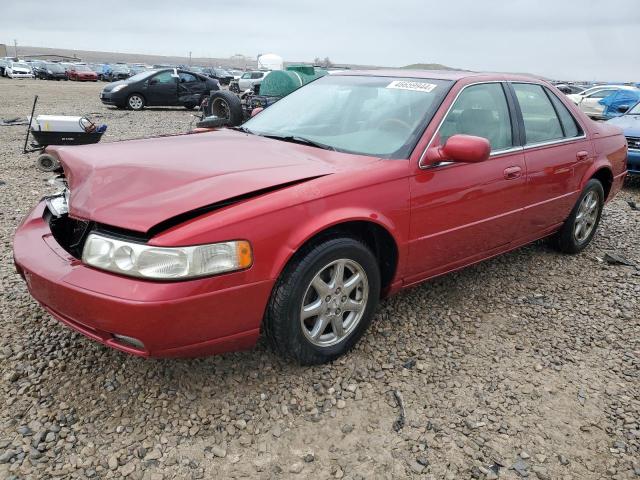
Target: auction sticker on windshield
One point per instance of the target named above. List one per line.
(415, 86)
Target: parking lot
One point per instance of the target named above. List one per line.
(527, 365)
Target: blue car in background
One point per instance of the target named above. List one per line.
(630, 123)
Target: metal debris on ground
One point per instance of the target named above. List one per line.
(14, 121)
(399, 423)
(616, 259)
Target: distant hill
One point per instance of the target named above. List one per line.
(429, 66)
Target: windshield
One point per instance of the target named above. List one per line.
(54, 67)
(82, 68)
(635, 110)
(378, 116)
(221, 72)
(120, 69)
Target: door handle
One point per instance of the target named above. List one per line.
(511, 173)
(582, 155)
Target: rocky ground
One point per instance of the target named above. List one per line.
(527, 365)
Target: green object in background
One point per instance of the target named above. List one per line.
(279, 83)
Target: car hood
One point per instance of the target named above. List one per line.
(138, 184)
(629, 123)
(110, 86)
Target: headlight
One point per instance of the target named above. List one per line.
(49, 72)
(117, 88)
(160, 263)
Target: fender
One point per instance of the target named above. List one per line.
(315, 225)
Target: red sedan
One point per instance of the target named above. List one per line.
(295, 224)
(82, 73)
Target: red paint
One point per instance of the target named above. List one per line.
(74, 74)
(441, 218)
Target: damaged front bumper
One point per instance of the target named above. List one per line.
(147, 318)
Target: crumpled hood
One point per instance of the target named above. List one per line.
(137, 184)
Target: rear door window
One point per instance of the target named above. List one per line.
(570, 126)
(541, 123)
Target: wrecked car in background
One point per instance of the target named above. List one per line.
(295, 224)
(166, 88)
(590, 100)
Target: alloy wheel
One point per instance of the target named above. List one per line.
(587, 217)
(135, 102)
(334, 302)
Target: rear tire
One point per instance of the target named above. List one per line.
(579, 229)
(323, 301)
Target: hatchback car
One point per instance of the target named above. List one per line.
(297, 223)
(167, 88)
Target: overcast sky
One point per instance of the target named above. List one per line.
(572, 39)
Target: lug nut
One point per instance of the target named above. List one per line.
(328, 299)
(338, 290)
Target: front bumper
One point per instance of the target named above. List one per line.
(109, 98)
(21, 75)
(171, 319)
(633, 162)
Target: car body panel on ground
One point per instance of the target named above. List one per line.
(218, 186)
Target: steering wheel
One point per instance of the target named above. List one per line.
(394, 122)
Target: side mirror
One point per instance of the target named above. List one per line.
(623, 108)
(153, 81)
(461, 148)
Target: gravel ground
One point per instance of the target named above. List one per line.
(527, 365)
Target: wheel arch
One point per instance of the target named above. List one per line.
(374, 233)
(605, 176)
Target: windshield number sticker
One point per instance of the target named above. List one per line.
(415, 86)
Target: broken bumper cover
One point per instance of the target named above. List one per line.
(160, 319)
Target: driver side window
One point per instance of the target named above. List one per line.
(480, 110)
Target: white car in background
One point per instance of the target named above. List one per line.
(249, 80)
(18, 70)
(589, 100)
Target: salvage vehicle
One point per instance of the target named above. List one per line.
(159, 88)
(569, 88)
(298, 222)
(18, 70)
(251, 81)
(82, 73)
(117, 72)
(589, 100)
(630, 124)
(51, 71)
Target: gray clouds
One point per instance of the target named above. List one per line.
(567, 39)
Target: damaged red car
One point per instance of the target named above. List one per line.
(297, 223)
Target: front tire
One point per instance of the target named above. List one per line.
(135, 101)
(324, 301)
(579, 229)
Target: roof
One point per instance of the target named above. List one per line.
(436, 74)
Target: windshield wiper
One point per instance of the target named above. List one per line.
(300, 140)
(240, 128)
